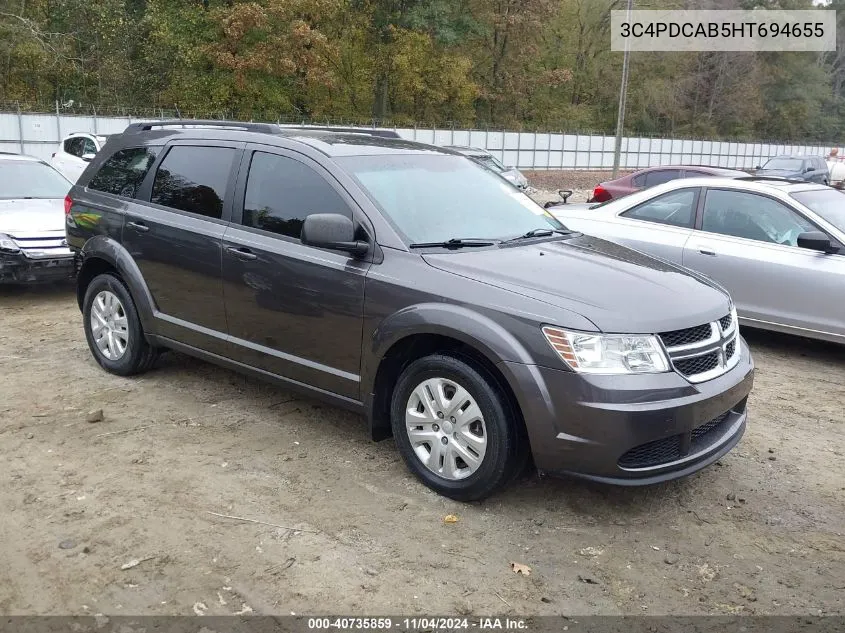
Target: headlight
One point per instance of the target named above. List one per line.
(608, 353)
(7, 244)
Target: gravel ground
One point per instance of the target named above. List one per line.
(122, 515)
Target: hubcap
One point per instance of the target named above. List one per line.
(446, 428)
(109, 326)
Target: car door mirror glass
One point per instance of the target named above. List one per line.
(333, 231)
(817, 241)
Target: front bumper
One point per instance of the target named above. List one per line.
(17, 268)
(630, 430)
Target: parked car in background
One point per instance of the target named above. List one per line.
(809, 168)
(652, 176)
(32, 221)
(486, 159)
(75, 152)
(776, 245)
(402, 281)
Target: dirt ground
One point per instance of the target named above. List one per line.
(760, 532)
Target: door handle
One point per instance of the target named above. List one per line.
(138, 226)
(244, 254)
(706, 249)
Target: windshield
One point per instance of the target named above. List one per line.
(434, 198)
(828, 203)
(786, 164)
(30, 179)
(490, 162)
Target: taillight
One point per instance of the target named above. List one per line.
(68, 204)
(600, 194)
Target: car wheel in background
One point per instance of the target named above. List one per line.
(455, 429)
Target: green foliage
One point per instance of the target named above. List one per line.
(535, 64)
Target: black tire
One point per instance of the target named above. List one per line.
(139, 355)
(506, 450)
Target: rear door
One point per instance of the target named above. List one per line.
(748, 243)
(660, 226)
(293, 310)
(69, 161)
(176, 238)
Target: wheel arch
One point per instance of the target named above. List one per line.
(101, 254)
(429, 329)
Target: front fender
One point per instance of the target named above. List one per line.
(458, 322)
(107, 249)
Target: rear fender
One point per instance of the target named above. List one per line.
(107, 249)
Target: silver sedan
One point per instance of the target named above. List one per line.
(776, 245)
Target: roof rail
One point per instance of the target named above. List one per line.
(269, 128)
(345, 130)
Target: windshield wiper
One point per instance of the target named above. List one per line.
(539, 233)
(456, 242)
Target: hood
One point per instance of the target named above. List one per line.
(618, 289)
(782, 173)
(31, 217)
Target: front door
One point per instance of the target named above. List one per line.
(292, 310)
(176, 239)
(748, 243)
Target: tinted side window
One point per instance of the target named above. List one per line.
(194, 179)
(88, 146)
(675, 209)
(74, 146)
(752, 217)
(281, 192)
(660, 176)
(123, 173)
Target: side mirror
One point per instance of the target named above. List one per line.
(564, 193)
(808, 169)
(333, 231)
(758, 167)
(88, 157)
(817, 241)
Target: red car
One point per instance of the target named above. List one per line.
(651, 176)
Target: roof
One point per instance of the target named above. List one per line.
(727, 171)
(348, 142)
(18, 157)
(749, 183)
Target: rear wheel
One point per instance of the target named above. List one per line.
(113, 329)
(455, 429)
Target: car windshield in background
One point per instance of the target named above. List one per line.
(30, 179)
(786, 164)
(438, 198)
(490, 162)
(828, 203)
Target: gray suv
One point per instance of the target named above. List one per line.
(407, 283)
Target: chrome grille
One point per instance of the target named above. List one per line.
(697, 364)
(686, 336)
(705, 351)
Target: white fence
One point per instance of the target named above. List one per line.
(39, 135)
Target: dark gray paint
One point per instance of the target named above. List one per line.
(323, 322)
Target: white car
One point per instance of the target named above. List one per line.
(32, 222)
(75, 152)
(777, 245)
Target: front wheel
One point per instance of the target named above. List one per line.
(455, 429)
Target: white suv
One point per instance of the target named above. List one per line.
(75, 152)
